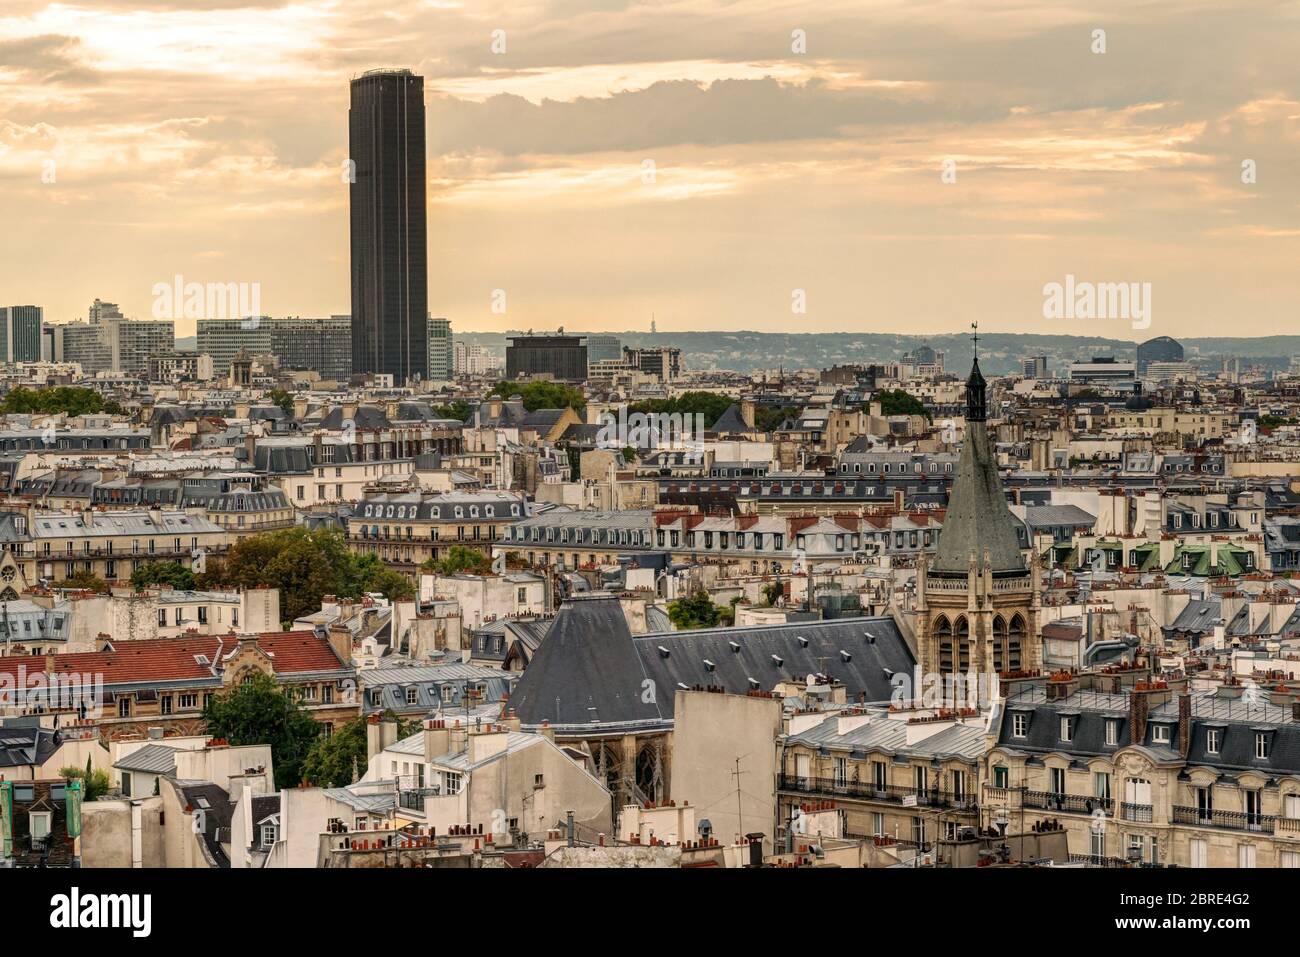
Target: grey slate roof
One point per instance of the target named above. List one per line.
(978, 517)
(591, 671)
(151, 759)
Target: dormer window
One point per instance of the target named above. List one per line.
(1019, 724)
(1160, 734)
(1112, 732)
(1067, 728)
(1263, 745)
(268, 834)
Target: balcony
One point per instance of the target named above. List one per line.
(1226, 820)
(1067, 803)
(831, 787)
(1137, 813)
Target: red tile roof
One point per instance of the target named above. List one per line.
(173, 659)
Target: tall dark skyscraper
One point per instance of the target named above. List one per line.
(390, 295)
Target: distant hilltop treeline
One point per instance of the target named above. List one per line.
(1000, 352)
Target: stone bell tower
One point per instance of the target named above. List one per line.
(977, 606)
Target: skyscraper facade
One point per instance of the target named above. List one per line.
(389, 255)
(441, 361)
(20, 333)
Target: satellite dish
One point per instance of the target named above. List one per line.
(811, 681)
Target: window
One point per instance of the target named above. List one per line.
(165, 704)
(1245, 855)
(1160, 734)
(878, 824)
(1000, 777)
(39, 824)
(452, 781)
(268, 835)
(189, 701)
(1019, 724)
(1212, 738)
(1065, 729)
(412, 695)
(1101, 785)
(1112, 733)
(1261, 744)
(1199, 853)
(1058, 780)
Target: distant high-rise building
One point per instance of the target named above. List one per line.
(470, 359)
(322, 345)
(20, 333)
(133, 342)
(101, 311)
(1034, 367)
(662, 362)
(389, 256)
(441, 360)
(604, 348)
(84, 344)
(1160, 349)
(559, 356)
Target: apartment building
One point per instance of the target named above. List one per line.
(407, 528)
(1154, 773)
(109, 544)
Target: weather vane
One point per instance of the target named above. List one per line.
(976, 338)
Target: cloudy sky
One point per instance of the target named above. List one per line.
(694, 160)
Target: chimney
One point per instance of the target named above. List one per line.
(437, 739)
(250, 445)
(387, 732)
(1184, 723)
(569, 824)
(747, 412)
(373, 739)
(340, 639)
(484, 744)
(1137, 716)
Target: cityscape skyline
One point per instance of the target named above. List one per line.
(884, 181)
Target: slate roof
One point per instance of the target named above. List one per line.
(731, 421)
(1236, 722)
(22, 745)
(1198, 617)
(889, 735)
(978, 518)
(592, 672)
(151, 759)
(216, 816)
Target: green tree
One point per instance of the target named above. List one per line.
(283, 399)
(95, 782)
(372, 575)
(542, 395)
(162, 573)
(53, 400)
(84, 580)
(768, 418)
(460, 409)
(898, 402)
(305, 565)
(335, 761)
(259, 711)
(460, 560)
(711, 405)
(697, 611)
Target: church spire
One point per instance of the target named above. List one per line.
(976, 387)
